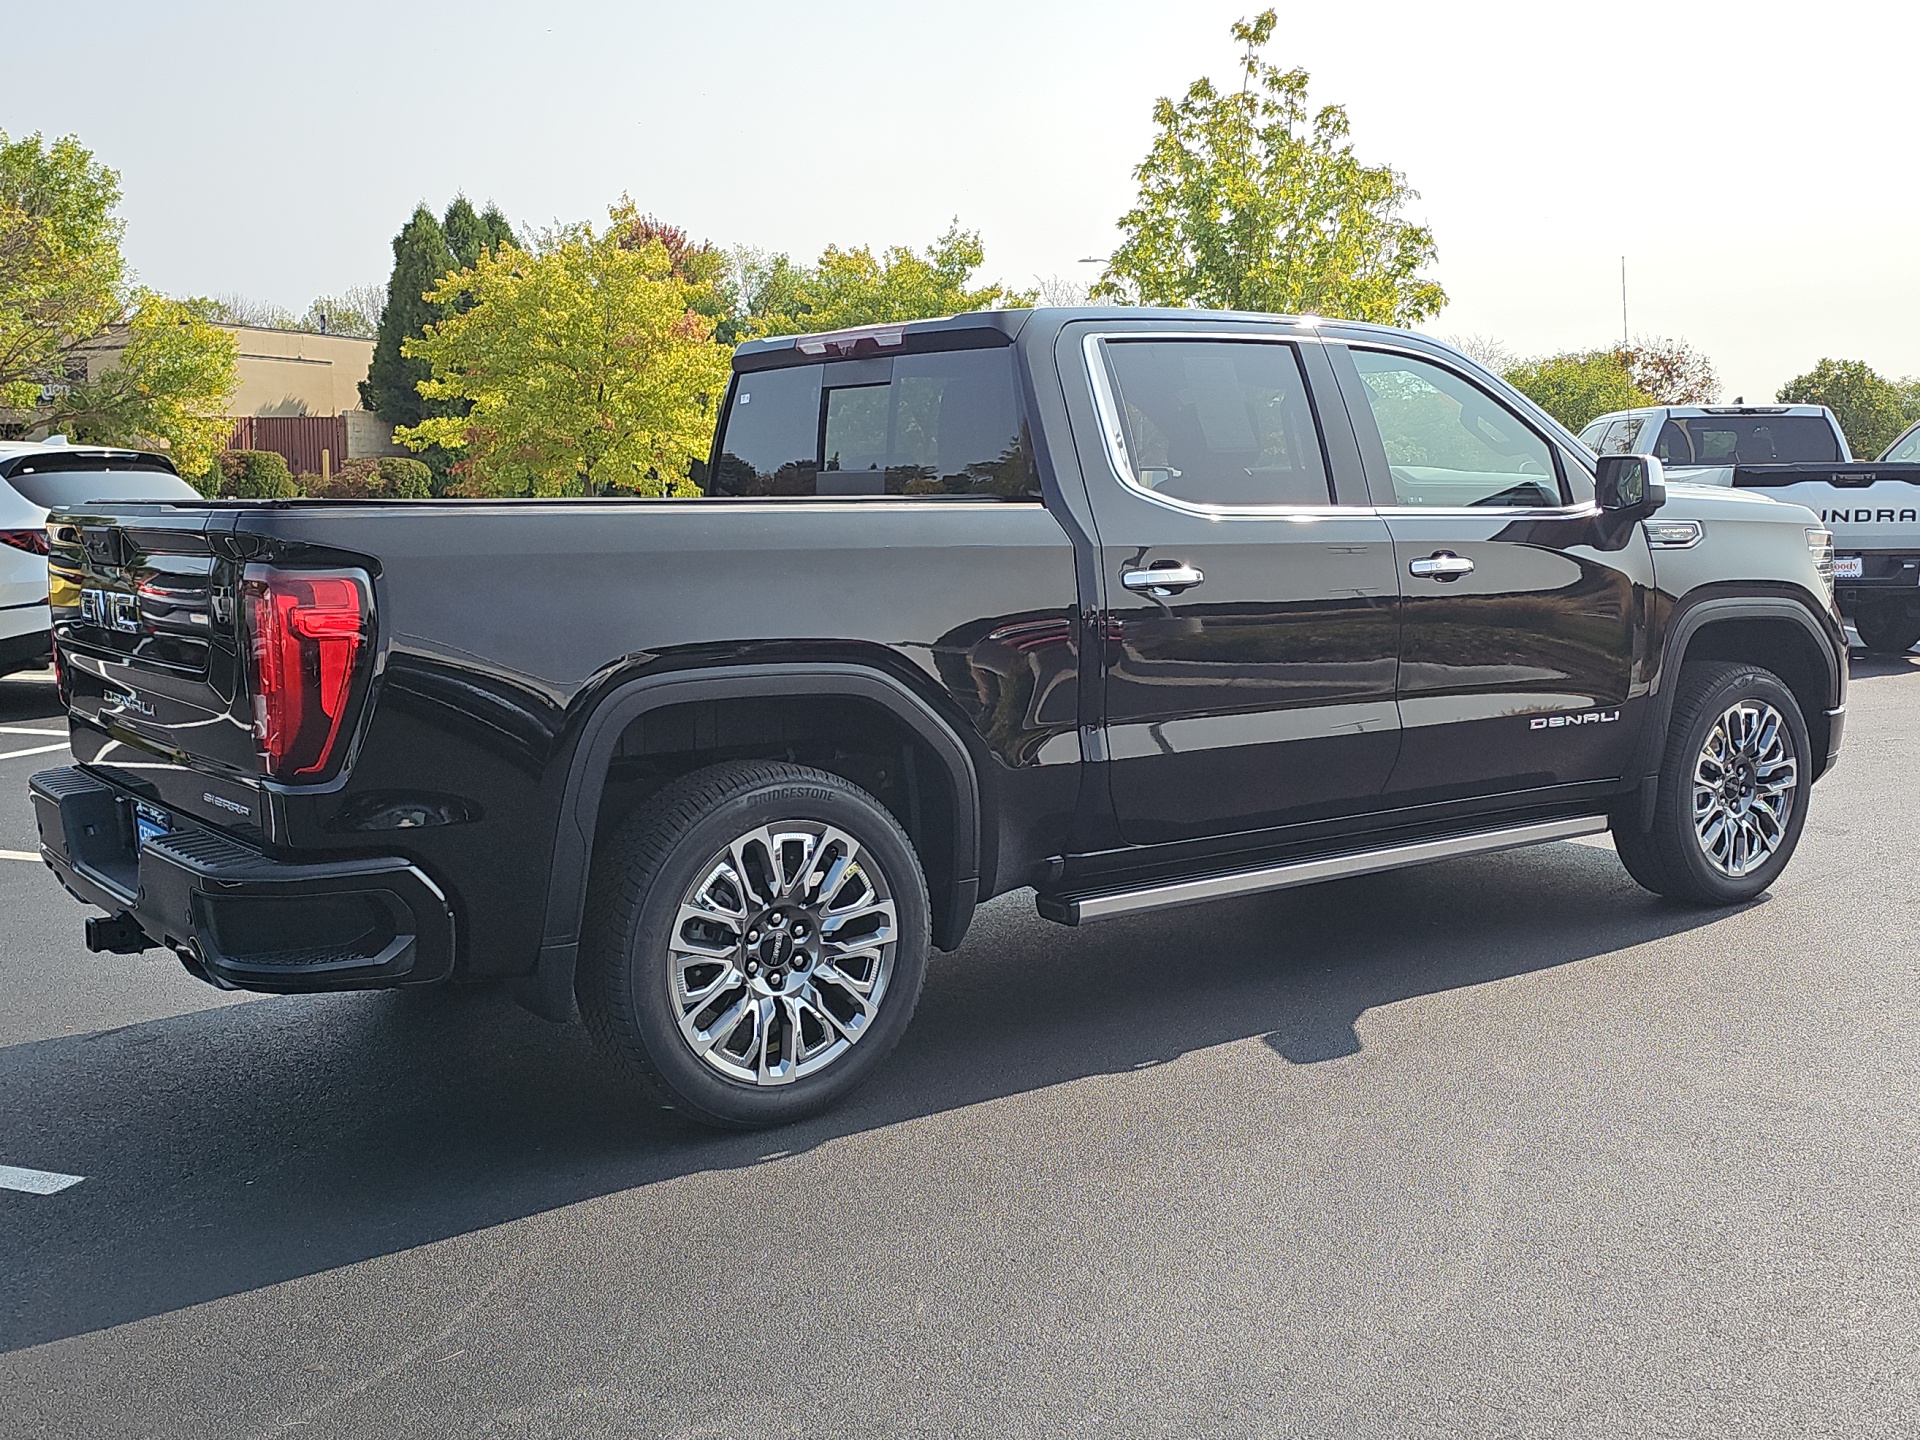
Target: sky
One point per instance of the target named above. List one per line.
(1750, 161)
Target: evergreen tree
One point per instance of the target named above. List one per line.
(467, 234)
(421, 256)
(499, 232)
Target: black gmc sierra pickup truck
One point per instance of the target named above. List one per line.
(1137, 608)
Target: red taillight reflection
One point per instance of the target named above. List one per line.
(34, 542)
(309, 632)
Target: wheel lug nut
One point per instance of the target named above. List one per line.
(753, 937)
(753, 967)
(776, 979)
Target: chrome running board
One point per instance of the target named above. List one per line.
(1080, 909)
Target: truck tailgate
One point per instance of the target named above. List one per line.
(144, 617)
(1868, 507)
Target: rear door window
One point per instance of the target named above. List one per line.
(1221, 423)
(915, 426)
(1622, 437)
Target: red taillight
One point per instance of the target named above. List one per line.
(309, 633)
(34, 542)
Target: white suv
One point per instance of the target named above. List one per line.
(1700, 444)
(38, 476)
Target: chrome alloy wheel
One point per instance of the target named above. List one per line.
(781, 952)
(1744, 785)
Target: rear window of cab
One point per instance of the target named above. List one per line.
(911, 426)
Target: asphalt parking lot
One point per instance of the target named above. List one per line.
(1502, 1147)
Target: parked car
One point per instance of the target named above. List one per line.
(1797, 453)
(35, 476)
(1137, 608)
(1701, 444)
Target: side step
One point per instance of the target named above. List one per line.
(1081, 909)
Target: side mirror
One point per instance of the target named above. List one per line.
(1633, 485)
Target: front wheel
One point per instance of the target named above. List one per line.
(756, 939)
(1732, 789)
(1887, 632)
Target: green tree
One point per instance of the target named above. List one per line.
(588, 368)
(420, 257)
(1871, 409)
(468, 232)
(857, 287)
(1247, 203)
(1909, 389)
(62, 277)
(168, 388)
(1576, 386)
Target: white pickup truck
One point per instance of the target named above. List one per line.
(1798, 454)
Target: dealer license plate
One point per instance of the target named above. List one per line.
(148, 824)
(1848, 567)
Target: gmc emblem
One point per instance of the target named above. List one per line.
(110, 611)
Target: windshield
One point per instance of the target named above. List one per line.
(1747, 440)
(1907, 447)
(61, 488)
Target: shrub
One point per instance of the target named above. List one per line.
(251, 475)
(389, 477)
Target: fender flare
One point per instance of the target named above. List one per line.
(548, 992)
(1686, 624)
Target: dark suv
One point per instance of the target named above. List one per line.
(1136, 608)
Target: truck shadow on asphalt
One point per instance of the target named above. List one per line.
(1864, 664)
(236, 1148)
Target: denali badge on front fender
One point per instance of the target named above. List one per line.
(1585, 717)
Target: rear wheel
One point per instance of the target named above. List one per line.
(1732, 789)
(756, 940)
(1887, 631)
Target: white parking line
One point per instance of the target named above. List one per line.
(19, 854)
(37, 750)
(24, 730)
(36, 1182)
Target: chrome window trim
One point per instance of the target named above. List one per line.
(1584, 511)
(1570, 509)
(1113, 435)
(1114, 445)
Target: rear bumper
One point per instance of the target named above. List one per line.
(1889, 579)
(239, 918)
(26, 651)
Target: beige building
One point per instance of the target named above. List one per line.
(294, 372)
(298, 394)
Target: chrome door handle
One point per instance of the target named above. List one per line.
(1162, 581)
(1441, 565)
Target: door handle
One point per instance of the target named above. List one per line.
(1162, 580)
(1442, 565)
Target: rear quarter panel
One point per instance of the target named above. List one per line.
(502, 624)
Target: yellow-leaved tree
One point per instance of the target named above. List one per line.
(586, 363)
(167, 390)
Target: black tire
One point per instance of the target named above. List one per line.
(1887, 632)
(1670, 858)
(626, 982)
